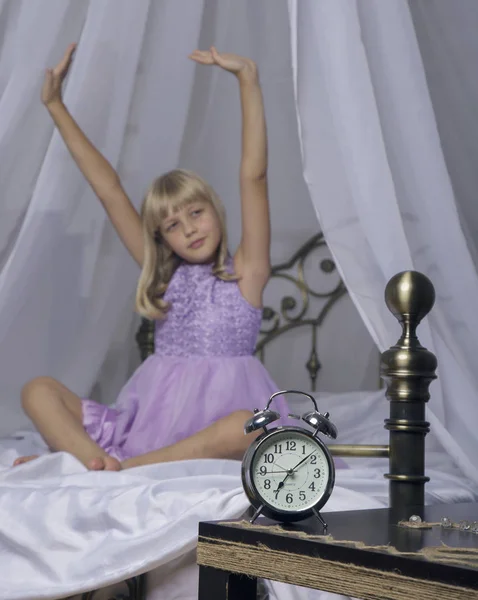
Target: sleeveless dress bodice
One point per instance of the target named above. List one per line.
(207, 317)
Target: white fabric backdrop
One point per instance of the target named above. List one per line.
(374, 169)
(369, 141)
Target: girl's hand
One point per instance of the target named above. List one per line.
(238, 65)
(52, 84)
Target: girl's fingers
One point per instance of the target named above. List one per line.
(215, 55)
(204, 60)
(202, 53)
(63, 66)
(70, 51)
(68, 56)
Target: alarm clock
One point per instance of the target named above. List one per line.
(288, 472)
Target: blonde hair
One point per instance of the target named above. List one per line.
(169, 193)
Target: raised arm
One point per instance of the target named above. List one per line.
(97, 170)
(252, 259)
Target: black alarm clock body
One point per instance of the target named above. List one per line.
(288, 473)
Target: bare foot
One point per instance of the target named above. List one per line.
(104, 463)
(24, 459)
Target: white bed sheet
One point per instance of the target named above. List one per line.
(64, 530)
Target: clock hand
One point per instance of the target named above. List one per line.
(291, 472)
(280, 486)
(281, 467)
(303, 460)
(282, 483)
(274, 472)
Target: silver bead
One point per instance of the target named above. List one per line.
(415, 519)
(446, 523)
(464, 526)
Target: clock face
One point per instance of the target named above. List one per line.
(290, 471)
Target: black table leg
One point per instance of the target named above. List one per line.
(215, 584)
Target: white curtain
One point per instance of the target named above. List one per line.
(377, 176)
(66, 283)
(449, 49)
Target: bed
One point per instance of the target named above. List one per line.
(214, 491)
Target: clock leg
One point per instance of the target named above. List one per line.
(215, 584)
(322, 522)
(256, 514)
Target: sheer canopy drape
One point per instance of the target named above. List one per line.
(377, 176)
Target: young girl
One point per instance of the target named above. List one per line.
(193, 396)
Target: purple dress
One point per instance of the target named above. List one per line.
(203, 369)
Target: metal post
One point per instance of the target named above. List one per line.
(408, 369)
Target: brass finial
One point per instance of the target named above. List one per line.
(409, 297)
(411, 294)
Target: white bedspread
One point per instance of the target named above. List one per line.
(64, 530)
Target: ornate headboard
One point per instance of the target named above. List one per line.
(288, 313)
(292, 315)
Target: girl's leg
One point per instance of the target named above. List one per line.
(57, 414)
(223, 439)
